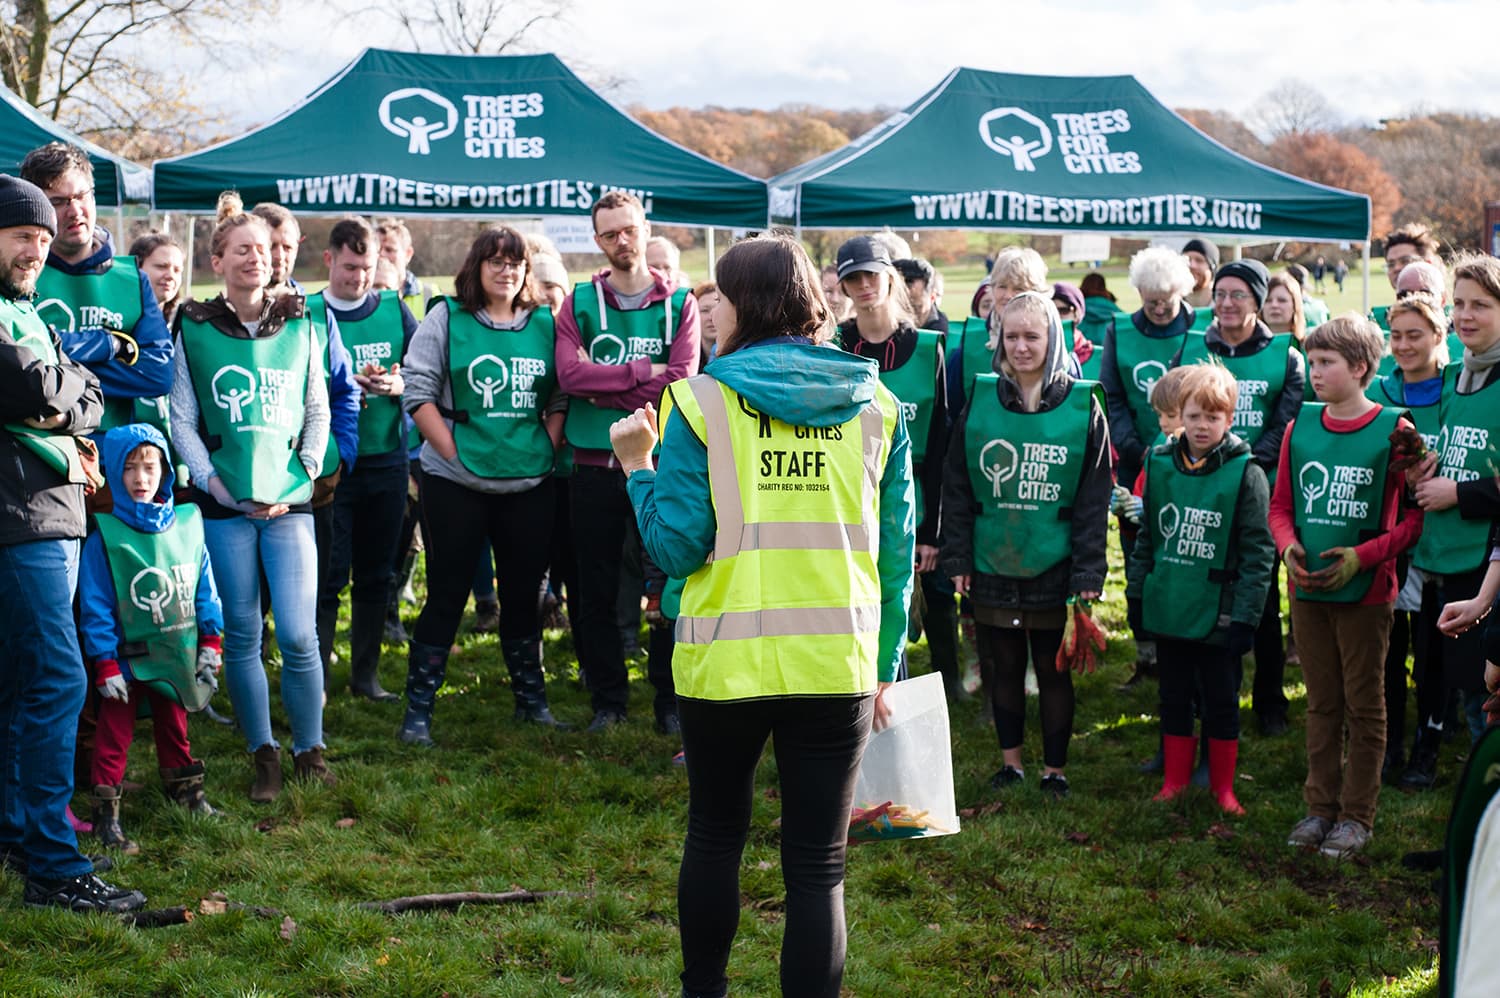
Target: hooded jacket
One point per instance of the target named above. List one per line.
(1085, 570)
(1251, 559)
(99, 620)
(804, 385)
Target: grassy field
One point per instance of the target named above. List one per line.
(1105, 892)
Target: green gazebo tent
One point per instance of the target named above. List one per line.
(410, 134)
(22, 128)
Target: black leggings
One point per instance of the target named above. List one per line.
(818, 743)
(1003, 653)
(1187, 668)
(455, 520)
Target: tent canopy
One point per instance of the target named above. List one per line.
(410, 134)
(1056, 153)
(22, 128)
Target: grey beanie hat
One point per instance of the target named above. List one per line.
(1209, 250)
(549, 270)
(1252, 272)
(23, 203)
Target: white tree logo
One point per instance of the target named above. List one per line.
(488, 375)
(59, 305)
(418, 130)
(607, 348)
(1146, 374)
(1007, 139)
(1313, 481)
(997, 462)
(151, 590)
(233, 387)
(1168, 520)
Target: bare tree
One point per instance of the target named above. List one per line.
(474, 27)
(1292, 107)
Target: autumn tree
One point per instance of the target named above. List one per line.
(1447, 165)
(758, 142)
(1226, 129)
(1328, 160)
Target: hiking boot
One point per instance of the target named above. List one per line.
(309, 765)
(1346, 839)
(1421, 769)
(84, 893)
(486, 616)
(1055, 785)
(267, 786)
(366, 627)
(1273, 723)
(426, 667)
(1309, 833)
(106, 819)
(1393, 765)
(184, 785)
(1006, 776)
(523, 657)
(605, 719)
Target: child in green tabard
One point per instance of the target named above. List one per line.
(1198, 576)
(1339, 524)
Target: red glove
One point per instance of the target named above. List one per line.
(214, 641)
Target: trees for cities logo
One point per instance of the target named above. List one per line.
(47, 309)
(1018, 134)
(997, 461)
(1312, 480)
(233, 388)
(411, 121)
(1168, 520)
(606, 348)
(488, 375)
(1146, 374)
(151, 590)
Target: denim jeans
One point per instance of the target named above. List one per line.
(240, 547)
(42, 686)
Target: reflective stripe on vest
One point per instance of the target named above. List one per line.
(1467, 451)
(1338, 491)
(788, 602)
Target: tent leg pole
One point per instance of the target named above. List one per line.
(187, 263)
(710, 240)
(1366, 256)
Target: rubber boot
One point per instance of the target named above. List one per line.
(366, 626)
(184, 785)
(267, 786)
(1222, 756)
(426, 665)
(523, 657)
(106, 818)
(1177, 764)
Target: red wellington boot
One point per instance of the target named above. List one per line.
(1222, 754)
(1177, 764)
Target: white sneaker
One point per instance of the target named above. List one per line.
(1309, 832)
(1346, 839)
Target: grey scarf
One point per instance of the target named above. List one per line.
(1477, 368)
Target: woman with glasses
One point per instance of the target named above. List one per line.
(482, 387)
(1271, 378)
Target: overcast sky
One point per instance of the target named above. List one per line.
(1372, 58)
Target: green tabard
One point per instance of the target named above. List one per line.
(1261, 377)
(59, 450)
(156, 590)
(1338, 491)
(378, 338)
(915, 386)
(1192, 522)
(1025, 468)
(1466, 452)
(978, 358)
(610, 336)
(1141, 361)
(1089, 368)
(501, 382)
(251, 397)
(317, 314)
(1391, 390)
(1203, 317)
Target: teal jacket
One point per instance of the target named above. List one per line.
(804, 385)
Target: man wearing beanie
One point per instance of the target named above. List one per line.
(1202, 260)
(1271, 381)
(46, 403)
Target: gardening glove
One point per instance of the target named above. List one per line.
(1089, 640)
(109, 682)
(1068, 650)
(1241, 638)
(1407, 448)
(210, 661)
(1126, 505)
(1336, 576)
(653, 611)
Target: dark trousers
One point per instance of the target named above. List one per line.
(602, 516)
(454, 521)
(326, 619)
(563, 565)
(659, 647)
(818, 743)
(940, 623)
(1003, 653)
(1419, 630)
(1267, 698)
(366, 526)
(1189, 669)
(411, 519)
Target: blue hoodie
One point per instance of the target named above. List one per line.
(99, 619)
(805, 385)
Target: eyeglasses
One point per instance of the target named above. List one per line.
(81, 198)
(500, 263)
(614, 235)
(1158, 302)
(1234, 296)
(1063, 308)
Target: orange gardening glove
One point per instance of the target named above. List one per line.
(1089, 640)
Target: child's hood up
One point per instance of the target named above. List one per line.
(149, 517)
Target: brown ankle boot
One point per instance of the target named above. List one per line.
(309, 765)
(106, 818)
(267, 785)
(184, 785)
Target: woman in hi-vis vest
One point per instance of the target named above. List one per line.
(249, 417)
(784, 500)
(482, 388)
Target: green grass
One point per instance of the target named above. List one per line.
(1106, 892)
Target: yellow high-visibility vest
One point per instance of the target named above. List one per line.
(788, 603)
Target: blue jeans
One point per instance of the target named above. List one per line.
(239, 548)
(42, 686)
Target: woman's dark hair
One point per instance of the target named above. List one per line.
(775, 291)
(497, 241)
(149, 243)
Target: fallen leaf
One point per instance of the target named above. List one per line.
(212, 906)
(763, 865)
(393, 940)
(288, 928)
(265, 825)
(564, 980)
(344, 823)
(934, 927)
(1078, 837)
(442, 780)
(1034, 926)
(1221, 831)
(382, 960)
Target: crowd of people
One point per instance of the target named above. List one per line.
(267, 449)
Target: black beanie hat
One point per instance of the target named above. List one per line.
(23, 203)
(1252, 272)
(1209, 250)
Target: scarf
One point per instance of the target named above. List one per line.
(1476, 368)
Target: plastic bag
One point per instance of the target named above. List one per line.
(904, 789)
